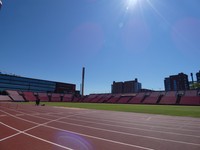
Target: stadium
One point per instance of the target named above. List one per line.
(48, 41)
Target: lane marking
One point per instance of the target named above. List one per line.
(131, 134)
(160, 122)
(148, 118)
(102, 139)
(112, 131)
(136, 123)
(134, 128)
(121, 143)
(56, 120)
(23, 132)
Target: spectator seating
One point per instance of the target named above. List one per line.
(152, 98)
(5, 98)
(55, 97)
(76, 99)
(105, 98)
(169, 98)
(89, 98)
(14, 95)
(97, 98)
(43, 97)
(190, 98)
(114, 98)
(67, 98)
(29, 96)
(124, 99)
(137, 99)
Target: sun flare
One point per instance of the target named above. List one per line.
(131, 3)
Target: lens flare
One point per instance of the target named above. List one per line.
(72, 140)
(131, 3)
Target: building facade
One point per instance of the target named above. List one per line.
(126, 87)
(176, 82)
(13, 82)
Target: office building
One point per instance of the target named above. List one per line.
(176, 82)
(13, 82)
(126, 87)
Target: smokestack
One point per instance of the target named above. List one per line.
(83, 79)
(192, 77)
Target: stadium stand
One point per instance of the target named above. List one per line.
(5, 98)
(76, 99)
(114, 98)
(190, 98)
(97, 98)
(137, 99)
(67, 98)
(89, 98)
(43, 97)
(152, 98)
(14, 95)
(29, 96)
(124, 99)
(55, 97)
(169, 98)
(105, 98)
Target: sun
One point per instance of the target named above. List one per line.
(131, 3)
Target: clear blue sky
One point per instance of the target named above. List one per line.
(116, 40)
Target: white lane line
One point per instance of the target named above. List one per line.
(18, 132)
(94, 137)
(38, 138)
(134, 123)
(131, 134)
(175, 141)
(3, 115)
(113, 125)
(102, 139)
(144, 121)
(148, 118)
(112, 130)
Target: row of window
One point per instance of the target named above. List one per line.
(26, 80)
(26, 83)
(9, 86)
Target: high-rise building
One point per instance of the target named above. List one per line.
(126, 87)
(198, 76)
(117, 87)
(176, 82)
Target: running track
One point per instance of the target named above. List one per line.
(28, 127)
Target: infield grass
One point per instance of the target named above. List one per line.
(189, 111)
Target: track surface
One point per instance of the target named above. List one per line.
(28, 127)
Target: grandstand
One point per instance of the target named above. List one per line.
(169, 98)
(189, 97)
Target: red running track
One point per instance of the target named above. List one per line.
(29, 127)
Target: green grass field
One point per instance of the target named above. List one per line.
(189, 111)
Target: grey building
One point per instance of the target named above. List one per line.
(126, 87)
